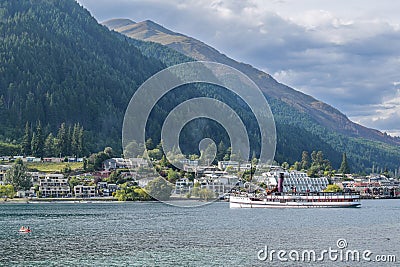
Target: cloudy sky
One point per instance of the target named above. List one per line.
(343, 52)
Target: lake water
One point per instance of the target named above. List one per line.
(156, 234)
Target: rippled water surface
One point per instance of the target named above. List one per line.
(156, 234)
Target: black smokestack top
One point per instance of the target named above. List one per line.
(280, 182)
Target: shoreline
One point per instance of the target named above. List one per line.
(111, 200)
(82, 200)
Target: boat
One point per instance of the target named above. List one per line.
(24, 230)
(277, 198)
(295, 200)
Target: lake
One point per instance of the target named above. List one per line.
(157, 234)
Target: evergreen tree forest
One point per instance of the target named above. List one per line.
(58, 65)
(69, 141)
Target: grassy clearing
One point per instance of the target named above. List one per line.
(53, 166)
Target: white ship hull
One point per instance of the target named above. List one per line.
(296, 201)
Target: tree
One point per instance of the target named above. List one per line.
(49, 149)
(18, 177)
(109, 151)
(7, 191)
(37, 142)
(62, 139)
(133, 193)
(206, 194)
(26, 140)
(296, 166)
(149, 144)
(96, 160)
(207, 156)
(285, 165)
(75, 140)
(133, 150)
(319, 165)
(159, 189)
(221, 151)
(172, 176)
(333, 188)
(305, 160)
(344, 167)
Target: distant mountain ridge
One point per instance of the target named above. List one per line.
(323, 113)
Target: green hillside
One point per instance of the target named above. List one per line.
(57, 64)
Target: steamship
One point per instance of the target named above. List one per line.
(277, 198)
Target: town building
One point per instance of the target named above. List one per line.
(54, 185)
(85, 191)
(294, 181)
(234, 165)
(121, 163)
(183, 185)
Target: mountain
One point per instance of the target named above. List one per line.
(321, 112)
(303, 123)
(59, 66)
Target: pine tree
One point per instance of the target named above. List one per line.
(26, 141)
(221, 151)
(305, 161)
(62, 140)
(68, 141)
(40, 141)
(344, 167)
(37, 142)
(49, 149)
(75, 140)
(80, 147)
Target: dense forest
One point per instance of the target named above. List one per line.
(57, 64)
(59, 67)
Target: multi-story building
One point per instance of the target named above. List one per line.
(85, 191)
(36, 176)
(54, 185)
(294, 181)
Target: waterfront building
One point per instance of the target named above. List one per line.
(218, 183)
(183, 186)
(54, 185)
(36, 176)
(294, 181)
(377, 186)
(85, 191)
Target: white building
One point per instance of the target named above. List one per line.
(54, 185)
(36, 176)
(118, 163)
(189, 165)
(234, 165)
(183, 185)
(294, 181)
(138, 162)
(218, 183)
(85, 191)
